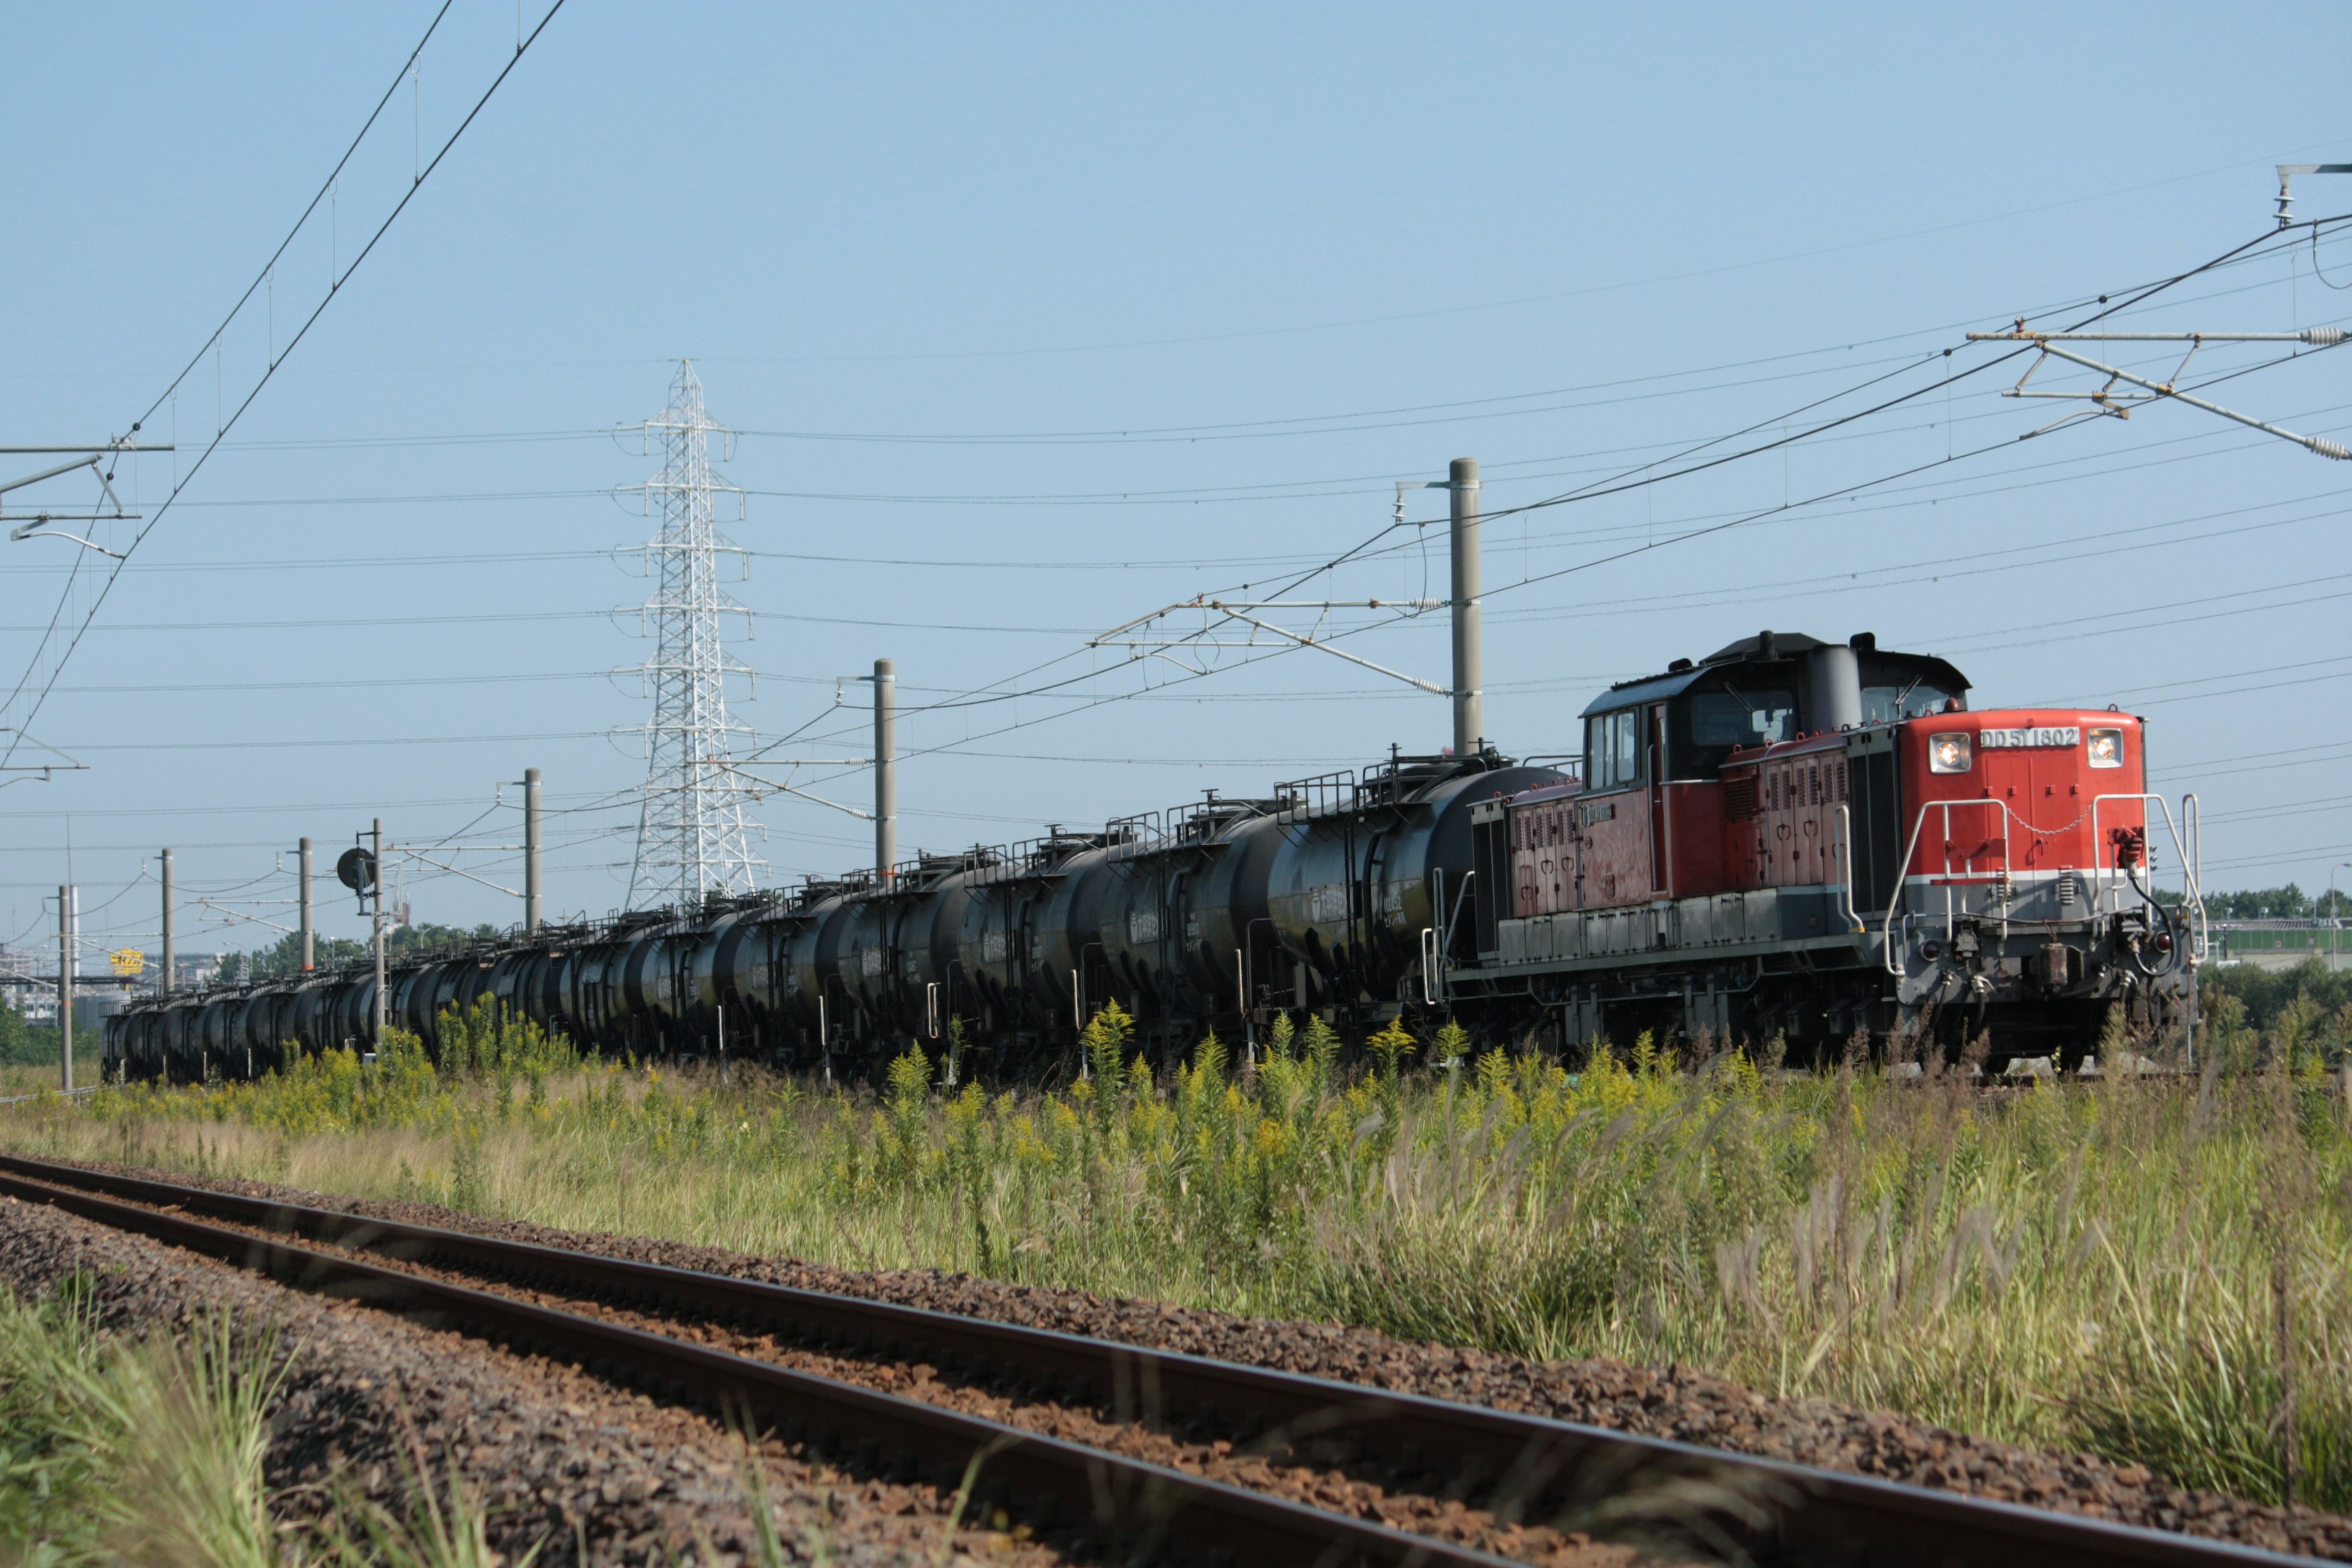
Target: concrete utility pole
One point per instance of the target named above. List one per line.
(378, 841)
(310, 928)
(530, 886)
(885, 767)
(1469, 677)
(171, 948)
(66, 983)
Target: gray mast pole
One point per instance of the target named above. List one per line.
(379, 934)
(531, 885)
(171, 948)
(65, 983)
(309, 926)
(885, 767)
(1469, 676)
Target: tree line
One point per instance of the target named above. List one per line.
(2287, 903)
(285, 955)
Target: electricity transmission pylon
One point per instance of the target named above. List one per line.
(692, 831)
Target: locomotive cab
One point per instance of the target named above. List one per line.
(1648, 821)
(1758, 690)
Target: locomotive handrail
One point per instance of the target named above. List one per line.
(2191, 883)
(1845, 869)
(2192, 822)
(2103, 876)
(1902, 873)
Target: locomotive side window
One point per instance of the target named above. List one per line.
(1716, 722)
(1742, 718)
(1613, 750)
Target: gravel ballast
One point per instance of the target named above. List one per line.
(1670, 1404)
(595, 1473)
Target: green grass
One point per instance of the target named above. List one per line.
(117, 1452)
(37, 1077)
(2153, 1270)
(149, 1451)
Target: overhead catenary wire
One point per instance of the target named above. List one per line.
(1158, 691)
(1650, 476)
(1262, 491)
(1718, 528)
(1636, 479)
(23, 711)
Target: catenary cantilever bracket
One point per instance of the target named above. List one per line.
(1139, 641)
(2313, 337)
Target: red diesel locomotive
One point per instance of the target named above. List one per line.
(1810, 839)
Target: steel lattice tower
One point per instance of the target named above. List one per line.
(691, 838)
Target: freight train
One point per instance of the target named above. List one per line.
(1788, 839)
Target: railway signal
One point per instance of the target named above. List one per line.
(361, 868)
(356, 870)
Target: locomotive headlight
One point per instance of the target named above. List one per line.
(1947, 753)
(2107, 748)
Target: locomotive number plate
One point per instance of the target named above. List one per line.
(2050, 735)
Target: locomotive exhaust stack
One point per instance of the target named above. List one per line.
(1833, 686)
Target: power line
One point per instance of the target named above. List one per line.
(23, 716)
(1460, 309)
(311, 741)
(2108, 307)
(283, 808)
(1937, 569)
(1627, 480)
(346, 620)
(1746, 518)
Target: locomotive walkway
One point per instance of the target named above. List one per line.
(1085, 1496)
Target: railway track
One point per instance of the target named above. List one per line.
(1089, 1500)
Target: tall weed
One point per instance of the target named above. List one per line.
(2146, 1268)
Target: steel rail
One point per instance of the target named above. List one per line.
(1101, 1500)
(1523, 1465)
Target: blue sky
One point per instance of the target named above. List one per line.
(1293, 253)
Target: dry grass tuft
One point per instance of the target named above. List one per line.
(2148, 1270)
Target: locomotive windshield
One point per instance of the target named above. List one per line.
(1886, 705)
